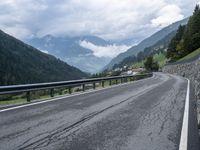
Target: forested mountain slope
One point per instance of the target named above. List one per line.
(21, 63)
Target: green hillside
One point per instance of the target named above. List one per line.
(21, 63)
(190, 56)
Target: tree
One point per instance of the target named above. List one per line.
(175, 48)
(187, 38)
(191, 36)
(155, 66)
(150, 65)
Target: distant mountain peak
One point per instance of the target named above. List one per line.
(68, 49)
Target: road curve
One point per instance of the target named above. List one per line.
(145, 114)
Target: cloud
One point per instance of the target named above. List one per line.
(44, 51)
(109, 19)
(167, 15)
(104, 51)
(198, 2)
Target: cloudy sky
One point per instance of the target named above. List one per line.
(109, 19)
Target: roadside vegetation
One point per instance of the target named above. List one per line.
(190, 56)
(187, 39)
(150, 64)
(160, 58)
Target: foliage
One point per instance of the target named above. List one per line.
(175, 47)
(150, 64)
(187, 38)
(160, 58)
(190, 56)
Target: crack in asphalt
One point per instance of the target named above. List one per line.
(54, 135)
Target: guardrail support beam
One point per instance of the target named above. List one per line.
(94, 85)
(70, 90)
(52, 92)
(103, 84)
(28, 96)
(110, 82)
(83, 86)
(121, 80)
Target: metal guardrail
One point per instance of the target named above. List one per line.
(13, 89)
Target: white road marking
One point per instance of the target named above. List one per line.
(184, 132)
(68, 96)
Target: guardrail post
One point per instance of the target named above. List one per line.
(94, 85)
(132, 79)
(50, 87)
(83, 86)
(121, 80)
(103, 84)
(52, 92)
(70, 90)
(28, 96)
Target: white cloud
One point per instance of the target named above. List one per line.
(198, 2)
(167, 15)
(104, 51)
(44, 51)
(17, 31)
(110, 19)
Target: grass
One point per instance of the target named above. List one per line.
(190, 56)
(9, 102)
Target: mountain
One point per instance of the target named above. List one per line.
(159, 47)
(70, 50)
(21, 64)
(146, 43)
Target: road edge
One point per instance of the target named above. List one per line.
(13, 107)
(183, 145)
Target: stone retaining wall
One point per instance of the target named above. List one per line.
(189, 70)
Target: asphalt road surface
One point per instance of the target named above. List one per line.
(142, 115)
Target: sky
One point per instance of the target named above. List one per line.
(113, 20)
